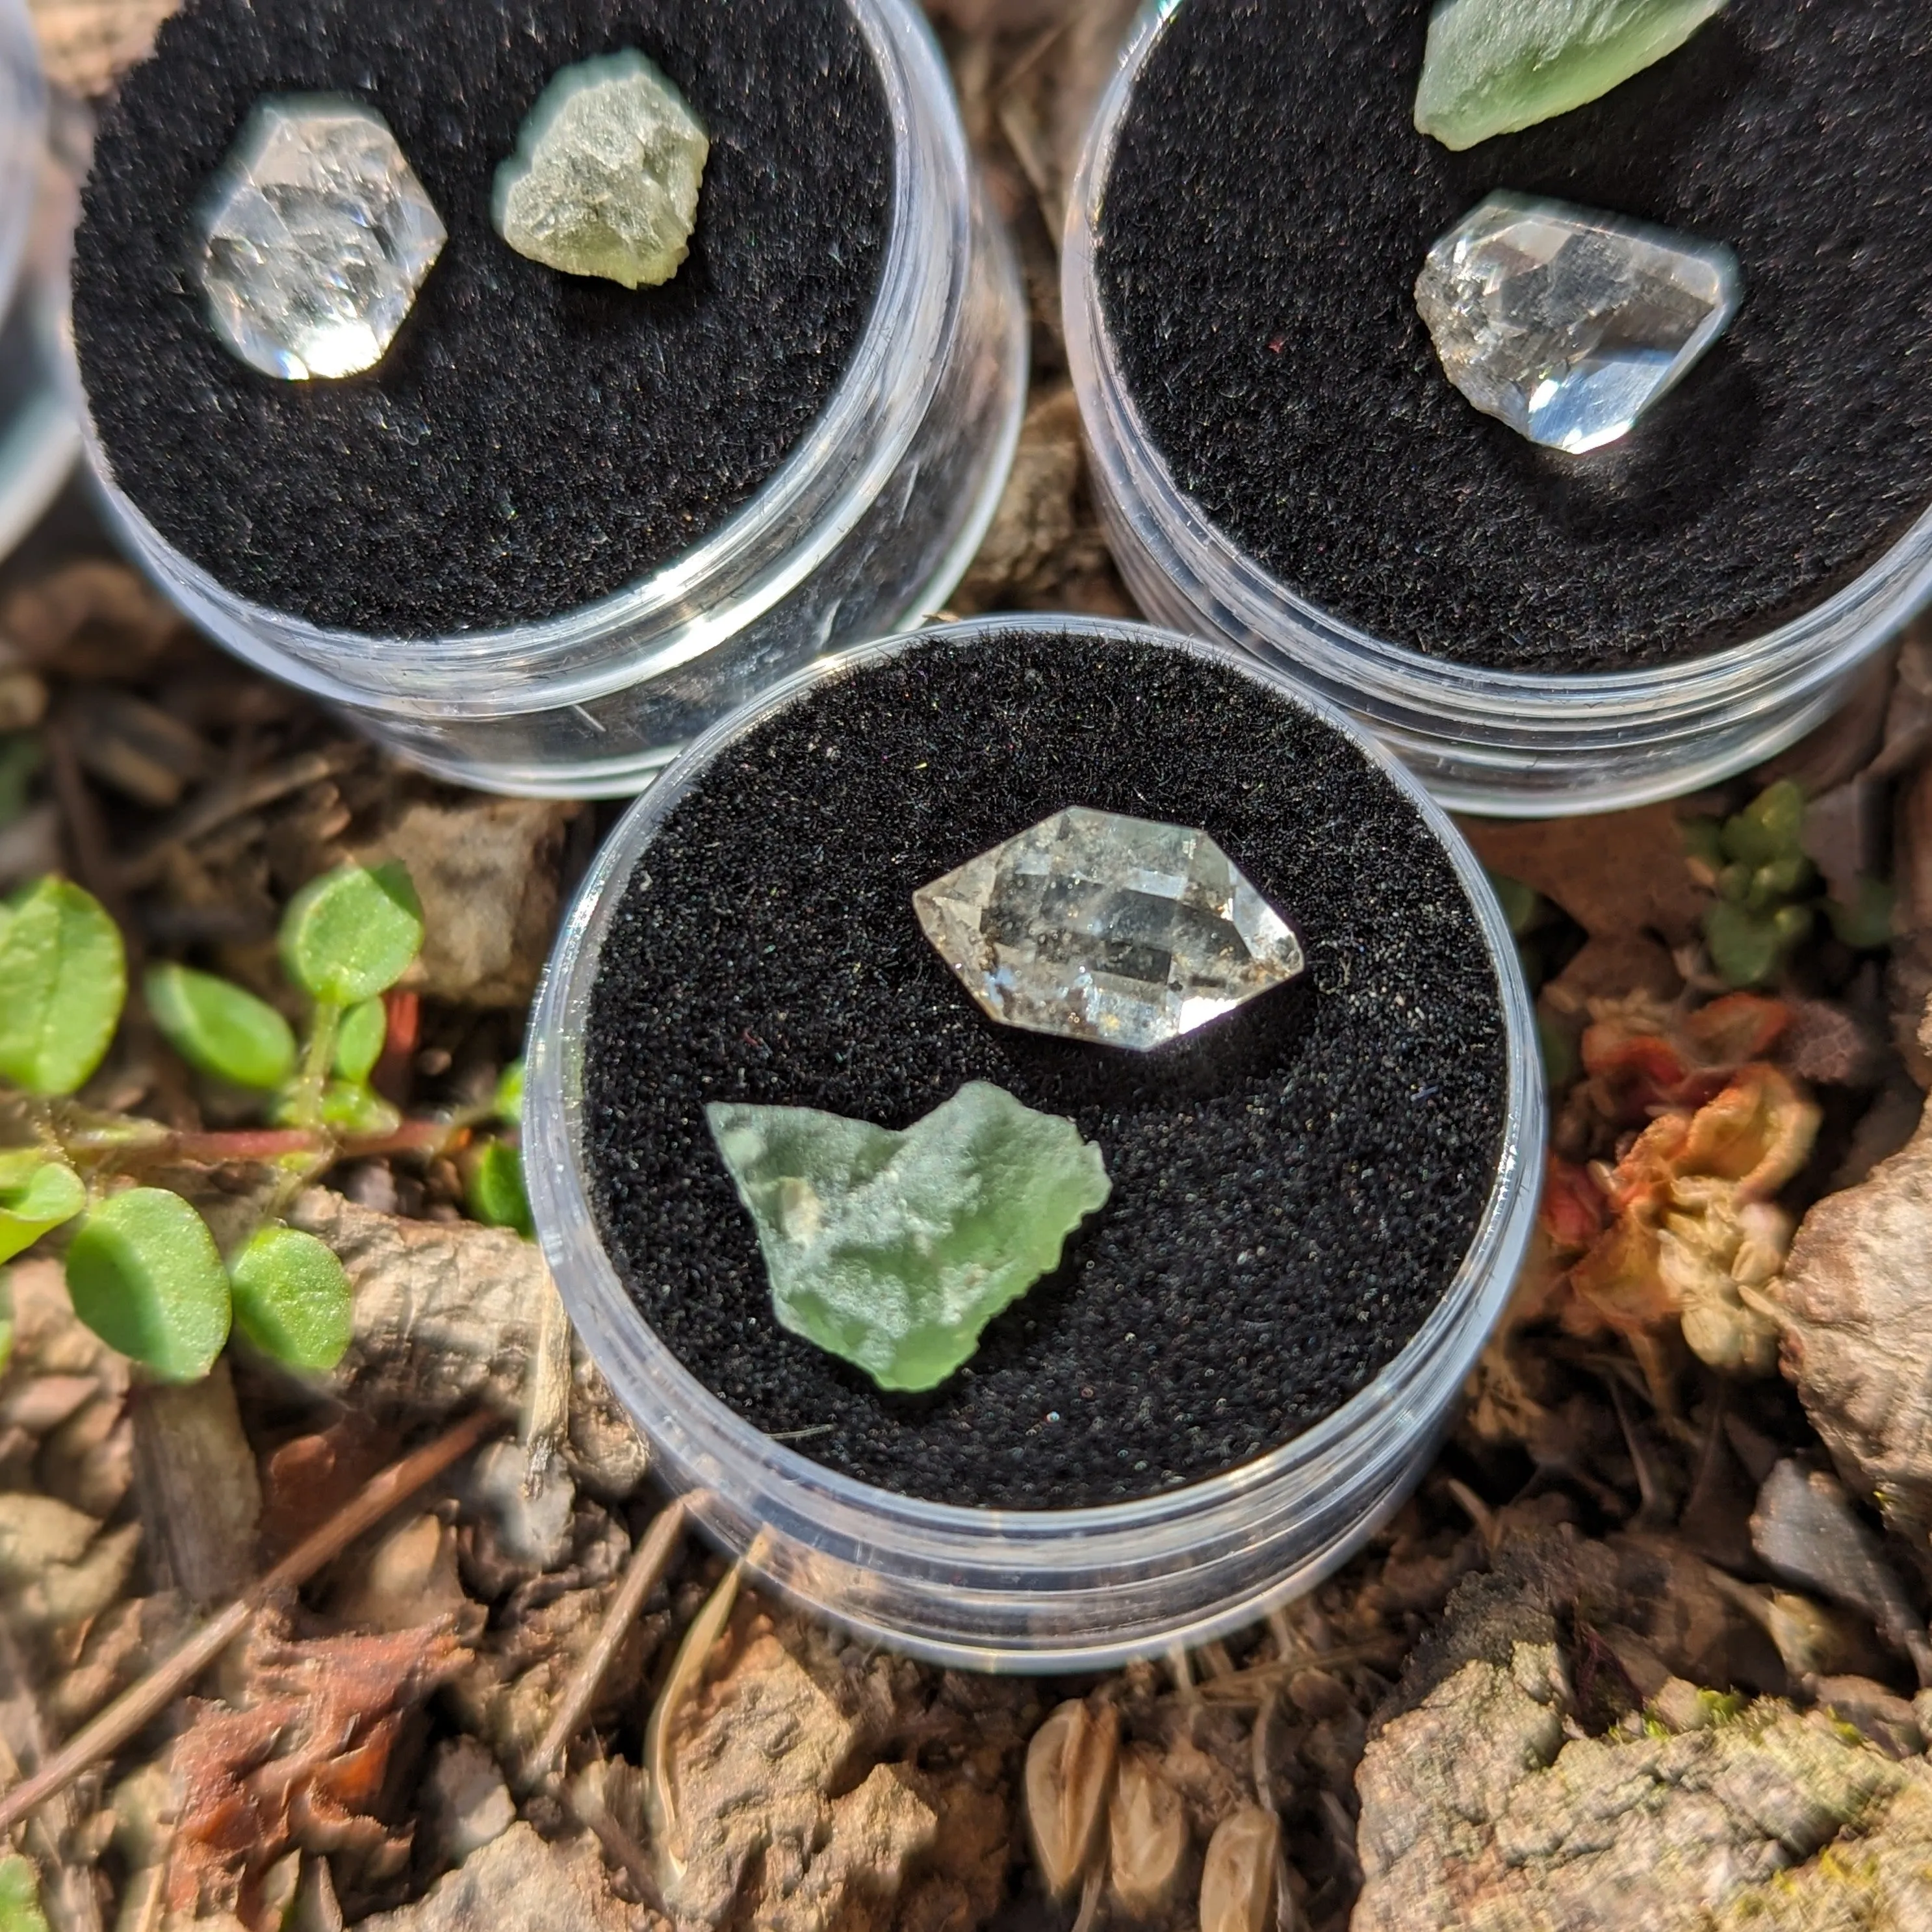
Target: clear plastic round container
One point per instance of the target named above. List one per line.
(866, 526)
(1003, 1589)
(1509, 744)
(23, 109)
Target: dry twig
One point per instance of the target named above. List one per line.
(144, 1702)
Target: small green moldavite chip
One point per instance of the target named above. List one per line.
(895, 1249)
(605, 178)
(1493, 66)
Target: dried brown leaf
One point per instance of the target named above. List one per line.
(1238, 1880)
(1070, 1773)
(1146, 1830)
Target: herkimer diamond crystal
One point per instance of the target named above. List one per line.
(317, 236)
(1096, 926)
(1568, 324)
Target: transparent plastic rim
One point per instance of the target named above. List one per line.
(1627, 707)
(1003, 1560)
(23, 111)
(705, 596)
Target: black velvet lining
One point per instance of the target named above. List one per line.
(532, 441)
(1270, 204)
(1294, 1185)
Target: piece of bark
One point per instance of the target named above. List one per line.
(197, 1487)
(489, 873)
(87, 45)
(447, 1315)
(1482, 1808)
(1616, 873)
(519, 1880)
(1805, 1530)
(1857, 1325)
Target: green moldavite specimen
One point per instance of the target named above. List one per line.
(1493, 66)
(894, 1250)
(605, 178)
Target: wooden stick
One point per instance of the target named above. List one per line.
(649, 1561)
(140, 1705)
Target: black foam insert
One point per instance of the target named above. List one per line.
(1270, 204)
(1294, 1185)
(532, 441)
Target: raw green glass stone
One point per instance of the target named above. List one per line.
(1493, 66)
(894, 1250)
(605, 178)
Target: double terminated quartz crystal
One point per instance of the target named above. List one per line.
(318, 235)
(1096, 926)
(1568, 324)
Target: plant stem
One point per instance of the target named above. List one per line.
(318, 1058)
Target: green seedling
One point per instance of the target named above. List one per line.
(143, 1268)
(1769, 893)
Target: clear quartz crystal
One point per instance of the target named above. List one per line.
(1567, 323)
(1095, 926)
(317, 237)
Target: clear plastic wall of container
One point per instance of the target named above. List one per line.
(23, 106)
(867, 526)
(1015, 1589)
(1509, 744)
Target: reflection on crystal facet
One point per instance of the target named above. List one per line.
(318, 235)
(1568, 324)
(1095, 926)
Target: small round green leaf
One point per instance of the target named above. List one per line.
(495, 1194)
(64, 974)
(20, 1895)
(144, 1275)
(507, 1103)
(359, 1043)
(292, 1300)
(36, 1194)
(1865, 924)
(351, 934)
(220, 1028)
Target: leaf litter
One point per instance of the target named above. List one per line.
(1646, 1646)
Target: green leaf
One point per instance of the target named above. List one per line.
(1770, 827)
(220, 1028)
(1865, 925)
(351, 933)
(37, 1192)
(144, 1275)
(359, 1043)
(507, 1104)
(1748, 948)
(292, 1300)
(495, 1195)
(20, 1895)
(894, 1250)
(64, 972)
